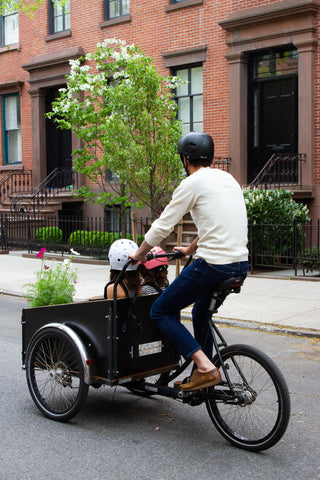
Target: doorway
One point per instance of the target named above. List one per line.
(273, 107)
(58, 143)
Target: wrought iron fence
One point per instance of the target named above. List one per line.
(90, 236)
(282, 246)
(292, 246)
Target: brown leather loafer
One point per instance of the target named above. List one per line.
(178, 383)
(201, 380)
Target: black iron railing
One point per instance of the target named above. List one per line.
(89, 236)
(281, 170)
(15, 182)
(221, 162)
(271, 246)
(58, 181)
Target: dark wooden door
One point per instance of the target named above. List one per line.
(59, 146)
(273, 121)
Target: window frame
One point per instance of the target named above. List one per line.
(52, 17)
(3, 29)
(189, 67)
(106, 10)
(4, 129)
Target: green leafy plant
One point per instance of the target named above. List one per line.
(309, 259)
(271, 215)
(96, 239)
(55, 283)
(49, 235)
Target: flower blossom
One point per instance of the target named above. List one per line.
(41, 253)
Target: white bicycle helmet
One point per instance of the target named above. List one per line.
(119, 254)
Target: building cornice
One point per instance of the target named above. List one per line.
(269, 13)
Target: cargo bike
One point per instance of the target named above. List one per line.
(67, 348)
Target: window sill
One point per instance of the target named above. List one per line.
(186, 3)
(9, 48)
(14, 166)
(57, 36)
(115, 21)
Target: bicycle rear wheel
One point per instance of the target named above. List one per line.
(55, 375)
(261, 417)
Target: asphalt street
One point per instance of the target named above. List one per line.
(119, 436)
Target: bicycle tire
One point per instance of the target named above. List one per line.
(261, 420)
(55, 375)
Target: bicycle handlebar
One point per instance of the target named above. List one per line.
(171, 256)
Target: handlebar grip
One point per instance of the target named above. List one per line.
(177, 254)
(172, 255)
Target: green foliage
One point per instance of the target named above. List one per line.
(273, 206)
(310, 259)
(49, 235)
(87, 239)
(26, 6)
(55, 284)
(271, 214)
(124, 112)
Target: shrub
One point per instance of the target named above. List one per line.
(273, 207)
(309, 259)
(95, 239)
(271, 214)
(49, 235)
(80, 238)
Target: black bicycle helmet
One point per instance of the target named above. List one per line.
(196, 146)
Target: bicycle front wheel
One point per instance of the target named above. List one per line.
(55, 375)
(257, 416)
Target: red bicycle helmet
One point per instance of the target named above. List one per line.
(156, 262)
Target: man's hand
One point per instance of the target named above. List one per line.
(140, 254)
(190, 249)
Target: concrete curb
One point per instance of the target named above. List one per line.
(230, 322)
(263, 327)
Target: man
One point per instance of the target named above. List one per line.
(216, 204)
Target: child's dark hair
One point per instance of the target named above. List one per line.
(131, 279)
(155, 276)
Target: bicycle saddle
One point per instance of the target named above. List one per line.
(233, 283)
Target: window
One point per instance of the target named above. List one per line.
(176, 1)
(11, 128)
(59, 16)
(189, 97)
(274, 63)
(9, 28)
(116, 8)
(113, 219)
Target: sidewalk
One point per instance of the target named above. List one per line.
(277, 303)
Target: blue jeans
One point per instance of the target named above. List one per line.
(195, 284)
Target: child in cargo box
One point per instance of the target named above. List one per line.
(130, 285)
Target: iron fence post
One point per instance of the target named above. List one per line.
(294, 253)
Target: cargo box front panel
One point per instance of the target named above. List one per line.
(135, 345)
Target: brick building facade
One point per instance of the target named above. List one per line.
(259, 63)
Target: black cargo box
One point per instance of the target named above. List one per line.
(124, 346)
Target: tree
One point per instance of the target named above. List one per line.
(124, 113)
(27, 6)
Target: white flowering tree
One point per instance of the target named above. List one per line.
(124, 113)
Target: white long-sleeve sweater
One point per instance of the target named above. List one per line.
(216, 204)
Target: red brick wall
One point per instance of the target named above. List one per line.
(156, 32)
